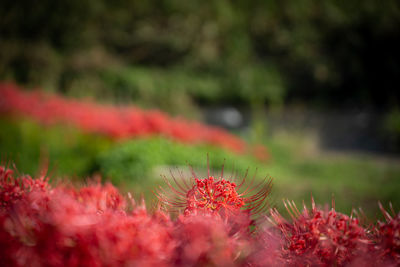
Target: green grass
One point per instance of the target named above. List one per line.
(297, 167)
(68, 151)
(354, 180)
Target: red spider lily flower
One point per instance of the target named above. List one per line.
(92, 226)
(266, 247)
(13, 189)
(99, 197)
(214, 195)
(58, 230)
(320, 237)
(85, 227)
(386, 239)
(207, 240)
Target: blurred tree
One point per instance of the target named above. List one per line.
(339, 53)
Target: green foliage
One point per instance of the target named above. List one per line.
(392, 122)
(69, 152)
(219, 52)
(168, 90)
(175, 89)
(391, 128)
(73, 153)
(136, 160)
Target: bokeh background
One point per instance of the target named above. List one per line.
(315, 82)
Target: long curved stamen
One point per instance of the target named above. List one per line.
(215, 195)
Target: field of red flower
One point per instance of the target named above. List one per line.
(116, 122)
(216, 222)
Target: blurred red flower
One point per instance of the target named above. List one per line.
(115, 122)
(319, 237)
(95, 225)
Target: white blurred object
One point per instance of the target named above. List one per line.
(225, 116)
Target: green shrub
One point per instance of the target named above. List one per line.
(135, 160)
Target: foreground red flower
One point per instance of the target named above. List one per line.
(385, 236)
(207, 240)
(320, 237)
(13, 189)
(91, 226)
(95, 225)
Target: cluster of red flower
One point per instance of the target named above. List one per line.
(116, 122)
(41, 225)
